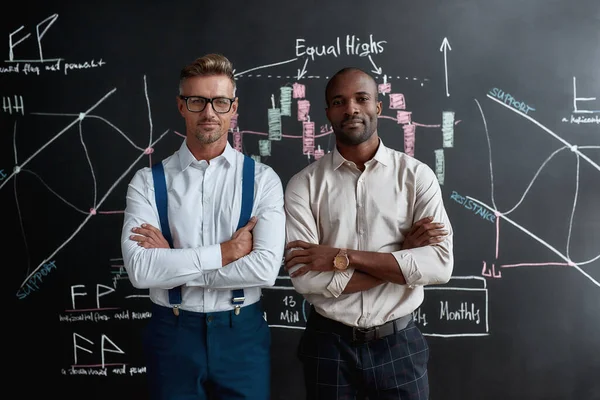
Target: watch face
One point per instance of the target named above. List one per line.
(340, 262)
(336, 262)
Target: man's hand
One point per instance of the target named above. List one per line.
(149, 237)
(240, 244)
(315, 257)
(423, 233)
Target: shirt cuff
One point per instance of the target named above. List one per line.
(339, 281)
(209, 257)
(408, 267)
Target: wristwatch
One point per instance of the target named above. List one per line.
(341, 261)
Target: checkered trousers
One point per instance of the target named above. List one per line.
(391, 367)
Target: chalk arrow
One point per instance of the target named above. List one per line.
(264, 66)
(445, 47)
(377, 70)
(303, 72)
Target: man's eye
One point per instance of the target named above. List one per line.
(363, 99)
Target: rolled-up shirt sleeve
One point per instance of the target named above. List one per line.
(158, 268)
(261, 266)
(431, 264)
(301, 225)
(339, 281)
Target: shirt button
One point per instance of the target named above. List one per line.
(209, 290)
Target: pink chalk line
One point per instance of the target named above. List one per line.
(537, 265)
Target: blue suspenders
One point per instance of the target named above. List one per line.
(160, 194)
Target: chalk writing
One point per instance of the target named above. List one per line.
(352, 46)
(508, 99)
(35, 280)
(579, 119)
(466, 311)
(471, 205)
(576, 99)
(28, 66)
(15, 104)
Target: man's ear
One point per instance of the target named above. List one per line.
(379, 107)
(181, 105)
(234, 106)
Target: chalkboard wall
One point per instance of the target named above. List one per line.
(500, 98)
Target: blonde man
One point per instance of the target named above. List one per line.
(205, 339)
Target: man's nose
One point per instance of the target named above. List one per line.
(351, 108)
(209, 111)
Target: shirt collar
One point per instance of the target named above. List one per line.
(382, 156)
(186, 158)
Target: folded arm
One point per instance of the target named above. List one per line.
(261, 266)
(425, 257)
(158, 267)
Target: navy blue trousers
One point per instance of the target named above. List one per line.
(208, 356)
(392, 367)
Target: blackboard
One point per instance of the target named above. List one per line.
(500, 98)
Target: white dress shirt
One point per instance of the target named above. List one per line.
(204, 205)
(331, 202)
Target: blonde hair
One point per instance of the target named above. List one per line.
(210, 64)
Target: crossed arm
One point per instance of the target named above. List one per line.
(240, 244)
(370, 268)
(424, 257)
(251, 257)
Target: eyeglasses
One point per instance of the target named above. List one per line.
(221, 105)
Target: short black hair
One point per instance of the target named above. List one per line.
(344, 71)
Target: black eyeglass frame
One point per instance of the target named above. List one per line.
(185, 98)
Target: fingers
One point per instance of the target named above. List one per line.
(251, 224)
(143, 234)
(295, 253)
(143, 241)
(299, 243)
(150, 227)
(297, 260)
(419, 224)
(422, 221)
(427, 227)
(142, 231)
(137, 238)
(430, 236)
(436, 239)
(246, 228)
(147, 236)
(424, 232)
(297, 257)
(431, 233)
